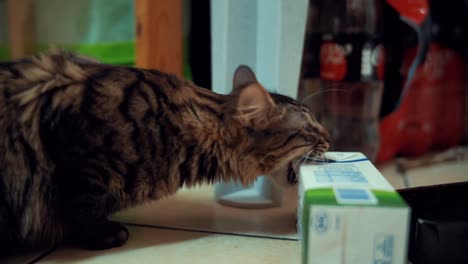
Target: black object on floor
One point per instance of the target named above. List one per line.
(439, 223)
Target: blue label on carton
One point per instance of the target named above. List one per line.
(343, 173)
(383, 248)
(353, 194)
(321, 222)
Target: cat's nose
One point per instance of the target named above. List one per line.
(325, 140)
(325, 145)
(325, 134)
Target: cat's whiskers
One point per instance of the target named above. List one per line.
(320, 92)
(302, 160)
(306, 157)
(322, 154)
(319, 155)
(315, 156)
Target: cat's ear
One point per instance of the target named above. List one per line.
(254, 105)
(243, 76)
(253, 102)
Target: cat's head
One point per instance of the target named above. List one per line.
(280, 131)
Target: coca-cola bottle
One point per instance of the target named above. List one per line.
(351, 73)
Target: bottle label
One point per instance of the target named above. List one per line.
(351, 57)
(333, 64)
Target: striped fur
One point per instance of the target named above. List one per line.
(81, 140)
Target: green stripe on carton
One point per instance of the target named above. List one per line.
(319, 196)
(389, 199)
(326, 196)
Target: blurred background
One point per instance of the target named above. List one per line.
(388, 78)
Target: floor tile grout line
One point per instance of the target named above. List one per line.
(209, 232)
(42, 255)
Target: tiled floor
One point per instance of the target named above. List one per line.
(445, 172)
(393, 177)
(155, 245)
(196, 210)
(26, 257)
(191, 227)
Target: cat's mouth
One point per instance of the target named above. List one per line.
(317, 153)
(292, 174)
(321, 147)
(310, 154)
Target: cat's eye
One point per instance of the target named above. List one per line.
(308, 128)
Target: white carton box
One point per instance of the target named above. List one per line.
(349, 213)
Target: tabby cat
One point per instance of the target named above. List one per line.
(81, 140)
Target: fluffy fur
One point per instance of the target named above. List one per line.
(81, 140)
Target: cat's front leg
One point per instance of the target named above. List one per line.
(103, 235)
(9, 233)
(86, 203)
(90, 229)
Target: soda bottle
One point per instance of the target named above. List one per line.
(351, 73)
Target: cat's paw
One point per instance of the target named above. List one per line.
(103, 236)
